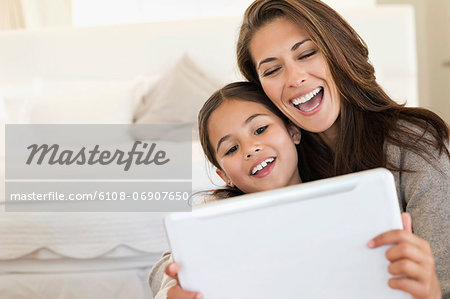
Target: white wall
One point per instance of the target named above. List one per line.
(61, 13)
(348, 3)
(47, 13)
(103, 12)
(433, 51)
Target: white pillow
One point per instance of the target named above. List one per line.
(111, 104)
(15, 100)
(2, 150)
(83, 87)
(178, 96)
(15, 109)
(204, 176)
(2, 111)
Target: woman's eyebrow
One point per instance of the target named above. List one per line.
(294, 47)
(266, 61)
(249, 119)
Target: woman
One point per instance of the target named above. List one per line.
(315, 69)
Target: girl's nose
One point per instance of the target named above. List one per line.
(252, 151)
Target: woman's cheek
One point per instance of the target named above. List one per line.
(272, 91)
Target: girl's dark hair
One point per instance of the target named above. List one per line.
(237, 91)
(369, 117)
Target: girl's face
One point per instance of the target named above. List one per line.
(254, 148)
(295, 75)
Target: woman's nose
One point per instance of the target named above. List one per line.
(296, 75)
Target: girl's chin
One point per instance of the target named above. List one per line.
(271, 186)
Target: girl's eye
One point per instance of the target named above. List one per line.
(307, 55)
(231, 150)
(260, 130)
(270, 72)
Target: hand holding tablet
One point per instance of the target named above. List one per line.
(310, 238)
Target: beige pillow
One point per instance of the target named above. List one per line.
(178, 96)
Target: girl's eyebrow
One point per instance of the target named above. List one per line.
(249, 119)
(294, 47)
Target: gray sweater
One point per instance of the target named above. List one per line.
(424, 193)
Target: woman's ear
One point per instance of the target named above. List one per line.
(295, 133)
(225, 178)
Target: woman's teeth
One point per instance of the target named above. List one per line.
(306, 97)
(312, 108)
(262, 165)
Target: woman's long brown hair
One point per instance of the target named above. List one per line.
(369, 117)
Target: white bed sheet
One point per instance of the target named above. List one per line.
(80, 235)
(123, 284)
(102, 255)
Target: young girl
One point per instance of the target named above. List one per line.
(253, 147)
(251, 144)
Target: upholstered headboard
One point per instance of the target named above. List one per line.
(124, 51)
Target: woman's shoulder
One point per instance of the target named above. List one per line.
(408, 133)
(424, 131)
(422, 172)
(416, 148)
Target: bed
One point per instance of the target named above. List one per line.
(134, 73)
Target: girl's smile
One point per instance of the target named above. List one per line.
(264, 167)
(254, 148)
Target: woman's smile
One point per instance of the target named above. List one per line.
(309, 104)
(295, 75)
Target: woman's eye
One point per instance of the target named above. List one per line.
(260, 130)
(231, 150)
(270, 72)
(307, 55)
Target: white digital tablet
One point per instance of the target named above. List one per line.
(303, 241)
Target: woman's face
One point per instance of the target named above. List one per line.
(295, 75)
(254, 148)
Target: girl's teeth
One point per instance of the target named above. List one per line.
(262, 165)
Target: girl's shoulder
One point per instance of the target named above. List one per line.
(157, 278)
(203, 200)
